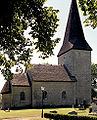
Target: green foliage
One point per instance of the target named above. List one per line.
(93, 93)
(89, 8)
(90, 109)
(94, 73)
(16, 16)
(81, 108)
(94, 78)
(68, 117)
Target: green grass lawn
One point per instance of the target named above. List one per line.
(25, 113)
(20, 113)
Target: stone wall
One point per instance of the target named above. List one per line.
(54, 93)
(6, 101)
(79, 64)
(15, 99)
(12, 100)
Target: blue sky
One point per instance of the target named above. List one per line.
(90, 34)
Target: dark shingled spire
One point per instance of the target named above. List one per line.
(74, 36)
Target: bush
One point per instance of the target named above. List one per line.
(68, 117)
(81, 108)
(90, 109)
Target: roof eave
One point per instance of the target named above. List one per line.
(21, 85)
(5, 92)
(54, 81)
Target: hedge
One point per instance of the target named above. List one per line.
(68, 117)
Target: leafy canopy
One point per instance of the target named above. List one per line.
(94, 79)
(94, 73)
(16, 16)
(89, 8)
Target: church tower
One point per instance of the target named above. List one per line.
(75, 54)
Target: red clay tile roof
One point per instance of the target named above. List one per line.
(50, 73)
(74, 36)
(40, 73)
(18, 80)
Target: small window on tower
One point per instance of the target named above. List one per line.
(63, 94)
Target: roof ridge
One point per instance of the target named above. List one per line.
(47, 65)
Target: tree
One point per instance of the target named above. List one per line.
(16, 16)
(94, 74)
(89, 8)
(94, 79)
(93, 93)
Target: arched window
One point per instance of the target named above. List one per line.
(22, 96)
(44, 94)
(63, 94)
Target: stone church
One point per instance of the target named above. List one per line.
(65, 84)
